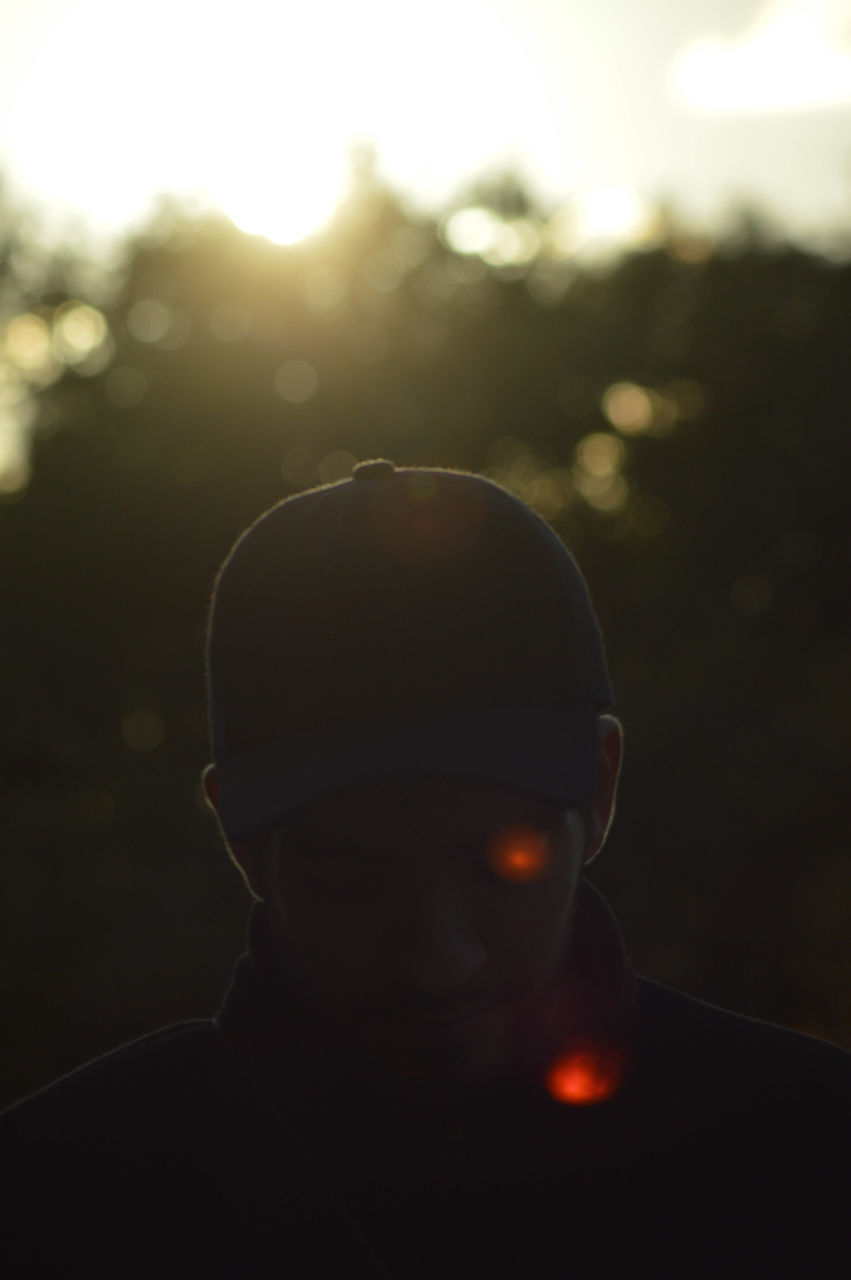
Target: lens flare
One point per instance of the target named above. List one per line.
(519, 855)
(586, 1075)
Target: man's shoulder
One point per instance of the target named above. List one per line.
(679, 1023)
(712, 1067)
(143, 1085)
(123, 1157)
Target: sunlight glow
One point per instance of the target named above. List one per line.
(27, 342)
(79, 330)
(17, 413)
(14, 461)
(472, 230)
(501, 242)
(289, 201)
(633, 409)
(600, 454)
(795, 55)
(598, 218)
(609, 494)
(260, 120)
(258, 109)
(628, 407)
(611, 213)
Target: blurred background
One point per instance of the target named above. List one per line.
(602, 255)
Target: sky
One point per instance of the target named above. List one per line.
(608, 107)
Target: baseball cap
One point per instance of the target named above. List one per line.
(405, 621)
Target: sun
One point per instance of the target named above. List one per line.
(610, 213)
(244, 112)
(285, 197)
(253, 109)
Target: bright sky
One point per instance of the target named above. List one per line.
(610, 105)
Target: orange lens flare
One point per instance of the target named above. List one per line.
(519, 855)
(586, 1076)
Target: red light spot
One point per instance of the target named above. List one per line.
(519, 855)
(585, 1076)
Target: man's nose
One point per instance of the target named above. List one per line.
(435, 945)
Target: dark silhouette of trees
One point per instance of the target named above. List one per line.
(679, 413)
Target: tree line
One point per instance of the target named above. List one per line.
(678, 412)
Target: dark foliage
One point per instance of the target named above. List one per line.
(680, 414)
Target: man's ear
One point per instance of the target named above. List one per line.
(602, 807)
(242, 857)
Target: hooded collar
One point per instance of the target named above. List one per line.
(293, 1060)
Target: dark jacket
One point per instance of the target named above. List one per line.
(237, 1146)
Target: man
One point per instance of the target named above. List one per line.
(435, 1058)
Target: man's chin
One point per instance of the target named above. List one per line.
(427, 1063)
(426, 1084)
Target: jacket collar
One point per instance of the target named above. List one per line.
(284, 1044)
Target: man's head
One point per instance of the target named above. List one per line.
(412, 760)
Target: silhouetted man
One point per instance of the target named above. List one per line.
(435, 1059)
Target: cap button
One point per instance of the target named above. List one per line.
(374, 467)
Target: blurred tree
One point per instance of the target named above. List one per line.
(678, 413)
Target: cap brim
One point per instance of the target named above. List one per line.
(546, 751)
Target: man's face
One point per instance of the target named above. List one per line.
(424, 919)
